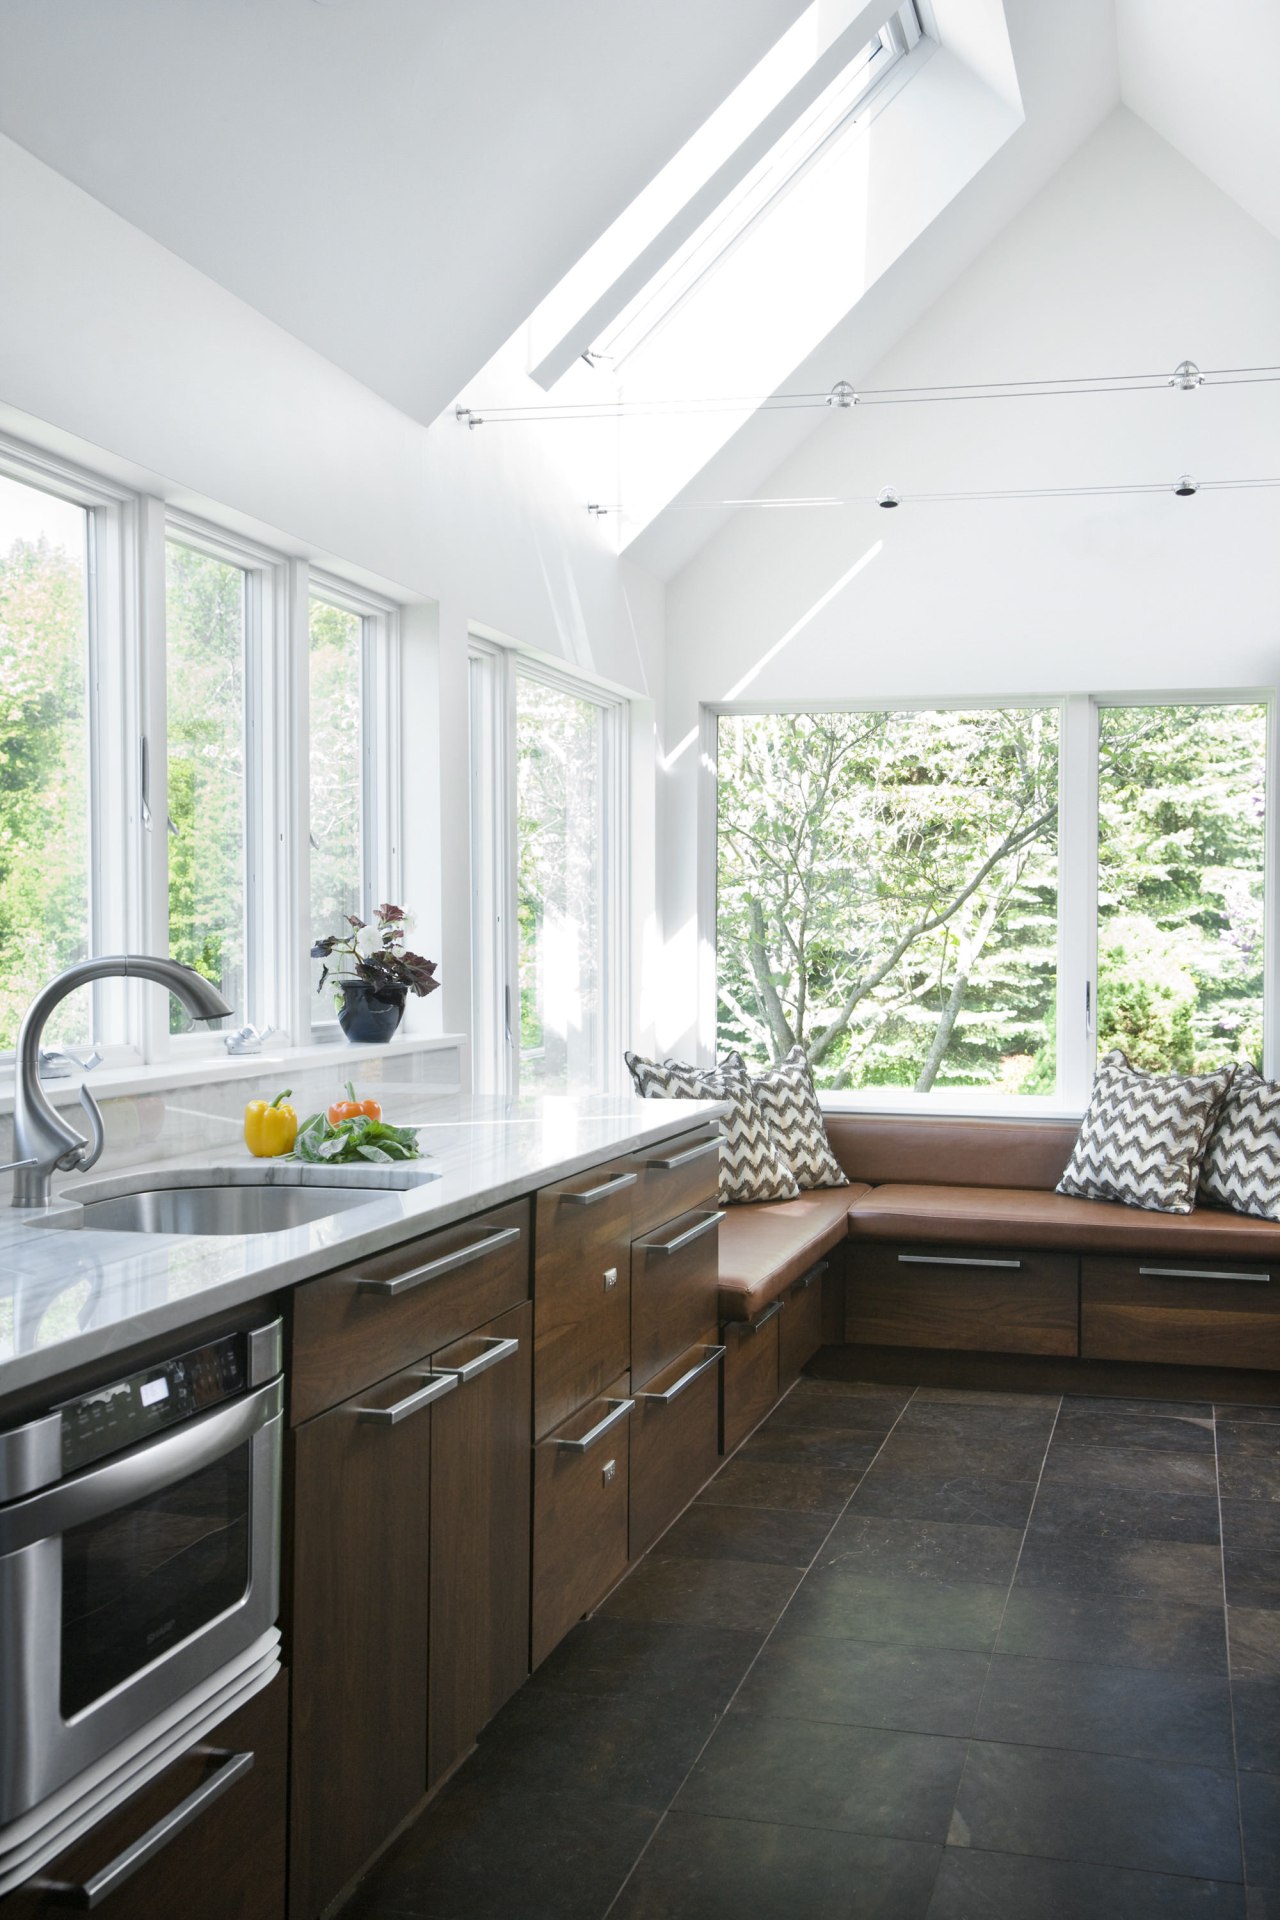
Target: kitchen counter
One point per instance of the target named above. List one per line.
(72, 1298)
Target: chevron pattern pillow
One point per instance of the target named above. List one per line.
(790, 1101)
(1144, 1136)
(751, 1167)
(1242, 1162)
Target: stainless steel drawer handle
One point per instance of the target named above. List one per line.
(602, 1192)
(461, 1257)
(806, 1280)
(744, 1327)
(91, 1893)
(953, 1260)
(496, 1349)
(1202, 1273)
(706, 1223)
(690, 1154)
(618, 1410)
(435, 1387)
(709, 1357)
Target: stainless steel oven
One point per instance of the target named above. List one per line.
(139, 1580)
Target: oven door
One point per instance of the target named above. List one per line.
(128, 1586)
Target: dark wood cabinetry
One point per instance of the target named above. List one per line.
(800, 1327)
(750, 1374)
(675, 1434)
(1179, 1312)
(581, 1476)
(222, 1807)
(990, 1302)
(674, 1290)
(581, 1291)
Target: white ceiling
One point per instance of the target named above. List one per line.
(396, 182)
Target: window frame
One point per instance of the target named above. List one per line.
(1077, 966)
(494, 672)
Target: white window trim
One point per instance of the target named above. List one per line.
(381, 796)
(1077, 884)
(494, 670)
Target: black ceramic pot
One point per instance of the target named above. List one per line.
(369, 1012)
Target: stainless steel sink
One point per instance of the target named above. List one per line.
(245, 1200)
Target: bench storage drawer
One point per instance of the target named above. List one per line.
(800, 1327)
(581, 1474)
(1180, 1312)
(675, 1434)
(996, 1301)
(750, 1374)
(674, 1286)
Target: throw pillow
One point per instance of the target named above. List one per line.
(1144, 1136)
(1242, 1162)
(790, 1102)
(751, 1167)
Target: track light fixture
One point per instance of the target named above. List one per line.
(888, 498)
(1185, 485)
(1187, 376)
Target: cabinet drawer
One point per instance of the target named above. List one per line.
(675, 1277)
(674, 1442)
(994, 1301)
(580, 1480)
(800, 1325)
(1183, 1313)
(378, 1315)
(750, 1382)
(226, 1862)
(581, 1290)
(675, 1177)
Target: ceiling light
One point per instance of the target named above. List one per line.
(1184, 486)
(888, 498)
(842, 395)
(1187, 376)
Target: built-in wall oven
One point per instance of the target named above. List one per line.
(139, 1581)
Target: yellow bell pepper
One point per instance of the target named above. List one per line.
(270, 1127)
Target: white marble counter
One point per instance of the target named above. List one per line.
(68, 1299)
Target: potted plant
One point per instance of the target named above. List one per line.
(372, 971)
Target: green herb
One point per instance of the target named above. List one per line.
(323, 1144)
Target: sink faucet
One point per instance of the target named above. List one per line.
(42, 1142)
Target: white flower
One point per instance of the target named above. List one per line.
(408, 923)
(368, 940)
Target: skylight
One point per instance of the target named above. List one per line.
(804, 92)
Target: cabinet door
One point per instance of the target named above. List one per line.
(987, 1301)
(581, 1290)
(675, 1442)
(675, 1285)
(800, 1325)
(580, 1480)
(749, 1382)
(211, 1828)
(358, 1648)
(1189, 1313)
(479, 1535)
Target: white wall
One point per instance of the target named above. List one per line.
(1129, 261)
(114, 351)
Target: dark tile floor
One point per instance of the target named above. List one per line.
(913, 1653)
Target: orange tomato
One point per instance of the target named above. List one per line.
(353, 1109)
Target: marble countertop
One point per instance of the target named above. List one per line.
(68, 1299)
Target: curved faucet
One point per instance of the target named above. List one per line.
(42, 1142)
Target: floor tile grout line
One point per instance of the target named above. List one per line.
(806, 1571)
(1226, 1634)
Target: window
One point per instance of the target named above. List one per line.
(1181, 858)
(335, 662)
(548, 765)
(903, 893)
(205, 621)
(45, 752)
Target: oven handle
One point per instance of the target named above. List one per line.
(145, 1469)
(92, 1892)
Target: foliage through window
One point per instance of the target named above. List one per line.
(887, 895)
(44, 753)
(337, 864)
(1181, 840)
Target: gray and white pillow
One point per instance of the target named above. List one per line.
(1241, 1167)
(1144, 1136)
(751, 1167)
(790, 1102)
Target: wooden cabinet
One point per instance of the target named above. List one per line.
(479, 1628)
(581, 1474)
(996, 1302)
(1179, 1312)
(378, 1315)
(674, 1442)
(750, 1384)
(800, 1327)
(674, 1290)
(581, 1291)
(216, 1819)
(674, 1178)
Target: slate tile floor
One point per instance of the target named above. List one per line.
(914, 1654)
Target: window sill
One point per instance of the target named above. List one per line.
(205, 1069)
(962, 1103)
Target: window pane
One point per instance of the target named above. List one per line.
(888, 896)
(205, 620)
(559, 799)
(337, 885)
(44, 754)
(1181, 825)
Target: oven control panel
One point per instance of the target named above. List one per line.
(146, 1402)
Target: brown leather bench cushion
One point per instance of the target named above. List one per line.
(951, 1150)
(766, 1244)
(1014, 1217)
